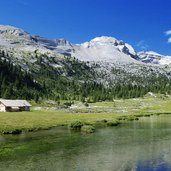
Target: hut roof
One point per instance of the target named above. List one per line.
(15, 103)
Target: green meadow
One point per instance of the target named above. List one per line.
(48, 117)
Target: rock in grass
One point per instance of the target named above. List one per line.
(87, 129)
(113, 123)
(76, 125)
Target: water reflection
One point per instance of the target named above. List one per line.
(141, 145)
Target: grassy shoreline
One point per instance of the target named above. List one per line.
(97, 113)
(25, 122)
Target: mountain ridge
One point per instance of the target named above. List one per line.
(107, 52)
(102, 48)
(100, 69)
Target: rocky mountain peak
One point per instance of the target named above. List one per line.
(8, 31)
(104, 39)
(62, 42)
(110, 44)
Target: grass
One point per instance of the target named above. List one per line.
(96, 113)
(36, 120)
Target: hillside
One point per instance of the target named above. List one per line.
(15, 82)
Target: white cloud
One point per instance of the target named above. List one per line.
(169, 40)
(168, 32)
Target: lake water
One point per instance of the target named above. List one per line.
(143, 145)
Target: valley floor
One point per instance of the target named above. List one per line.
(95, 113)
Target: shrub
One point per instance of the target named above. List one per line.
(113, 123)
(147, 115)
(132, 118)
(122, 118)
(87, 129)
(100, 123)
(76, 125)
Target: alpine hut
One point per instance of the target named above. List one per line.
(14, 105)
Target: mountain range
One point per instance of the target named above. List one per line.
(107, 49)
(104, 60)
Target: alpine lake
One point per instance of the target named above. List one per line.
(138, 145)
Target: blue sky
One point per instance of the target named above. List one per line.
(141, 23)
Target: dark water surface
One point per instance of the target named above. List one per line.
(143, 145)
